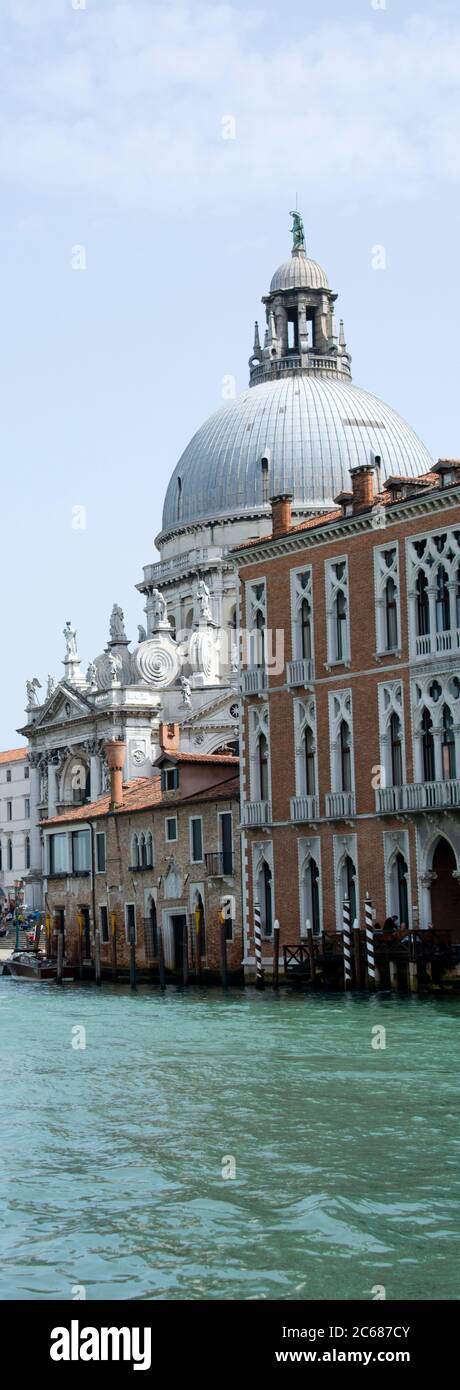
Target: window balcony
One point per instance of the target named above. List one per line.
(418, 796)
(304, 808)
(438, 643)
(340, 805)
(254, 680)
(257, 813)
(299, 672)
(220, 865)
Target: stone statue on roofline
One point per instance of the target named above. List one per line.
(186, 692)
(70, 635)
(31, 688)
(203, 602)
(298, 233)
(117, 624)
(115, 664)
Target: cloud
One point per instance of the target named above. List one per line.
(128, 99)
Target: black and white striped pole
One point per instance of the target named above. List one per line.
(370, 957)
(346, 935)
(258, 946)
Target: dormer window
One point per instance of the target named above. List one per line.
(169, 779)
(265, 464)
(179, 499)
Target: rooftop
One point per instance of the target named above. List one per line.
(143, 794)
(14, 755)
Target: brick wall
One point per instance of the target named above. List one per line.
(362, 674)
(174, 897)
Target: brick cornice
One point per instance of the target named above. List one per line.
(444, 499)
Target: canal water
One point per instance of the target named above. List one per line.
(113, 1155)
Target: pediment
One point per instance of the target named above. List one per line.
(216, 711)
(64, 703)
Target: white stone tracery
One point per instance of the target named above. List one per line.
(391, 705)
(305, 744)
(340, 717)
(301, 593)
(259, 744)
(433, 573)
(386, 573)
(437, 694)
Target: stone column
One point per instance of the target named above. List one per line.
(95, 774)
(53, 787)
(34, 791)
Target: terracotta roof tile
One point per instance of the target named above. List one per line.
(14, 755)
(227, 759)
(141, 793)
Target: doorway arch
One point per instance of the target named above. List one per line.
(445, 888)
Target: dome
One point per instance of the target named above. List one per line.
(312, 431)
(299, 273)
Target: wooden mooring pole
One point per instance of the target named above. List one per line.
(113, 925)
(223, 953)
(276, 955)
(97, 957)
(370, 957)
(346, 941)
(311, 953)
(132, 959)
(185, 970)
(412, 970)
(80, 943)
(357, 955)
(161, 959)
(260, 982)
(60, 957)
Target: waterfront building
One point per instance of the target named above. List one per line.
(350, 758)
(298, 428)
(15, 826)
(154, 852)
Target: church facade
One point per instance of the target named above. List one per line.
(298, 428)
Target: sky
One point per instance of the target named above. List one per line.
(150, 154)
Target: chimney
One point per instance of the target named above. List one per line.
(170, 738)
(115, 751)
(362, 481)
(281, 513)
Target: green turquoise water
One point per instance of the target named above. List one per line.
(346, 1157)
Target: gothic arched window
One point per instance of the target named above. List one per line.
(305, 630)
(263, 768)
(391, 614)
(311, 884)
(442, 601)
(428, 747)
(265, 898)
(448, 746)
(341, 625)
(309, 761)
(422, 606)
(396, 750)
(345, 756)
(349, 886)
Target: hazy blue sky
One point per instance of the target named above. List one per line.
(111, 139)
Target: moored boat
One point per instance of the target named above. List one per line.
(29, 965)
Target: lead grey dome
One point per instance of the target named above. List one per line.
(312, 431)
(299, 273)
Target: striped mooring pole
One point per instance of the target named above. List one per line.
(346, 934)
(258, 946)
(369, 926)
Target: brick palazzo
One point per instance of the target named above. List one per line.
(155, 854)
(350, 768)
